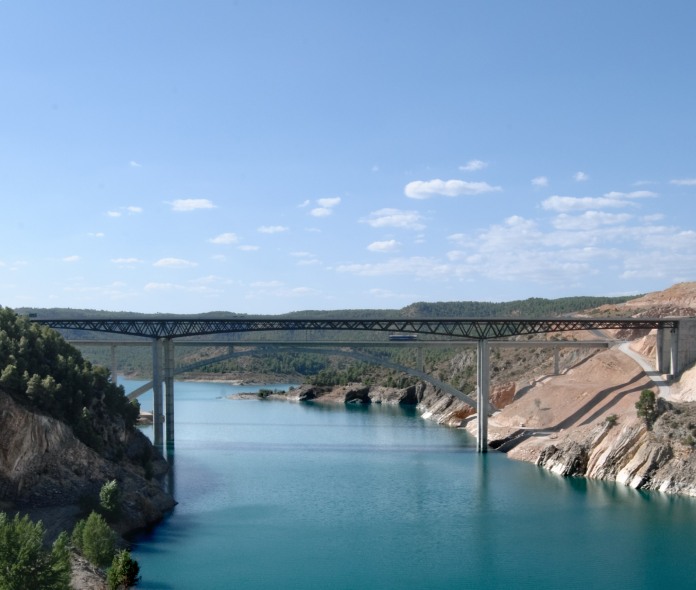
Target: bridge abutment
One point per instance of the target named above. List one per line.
(676, 347)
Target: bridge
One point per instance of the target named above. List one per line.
(161, 333)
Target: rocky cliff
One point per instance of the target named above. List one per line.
(45, 469)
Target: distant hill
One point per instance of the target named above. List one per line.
(528, 308)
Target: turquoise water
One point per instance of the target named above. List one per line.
(279, 495)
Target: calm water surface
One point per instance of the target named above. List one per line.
(279, 495)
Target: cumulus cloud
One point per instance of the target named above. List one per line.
(589, 220)
(174, 263)
(631, 195)
(226, 238)
(191, 204)
(98, 234)
(73, 258)
(134, 209)
(565, 204)
(580, 177)
(325, 207)
(424, 189)
(329, 201)
(113, 213)
(389, 217)
(304, 203)
(473, 165)
(272, 229)
(684, 182)
(540, 181)
(247, 248)
(384, 246)
(134, 164)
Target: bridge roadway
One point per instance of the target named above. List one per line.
(480, 330)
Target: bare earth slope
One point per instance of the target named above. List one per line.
(562, 423)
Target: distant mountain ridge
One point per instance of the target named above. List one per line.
(528, 308)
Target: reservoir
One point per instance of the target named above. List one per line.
(280, 495)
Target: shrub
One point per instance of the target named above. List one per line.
(611, 420)
(110, 500)
(95, 539)
(646, 408)
(25, 562)
(124, 571)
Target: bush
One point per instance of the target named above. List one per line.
(25, 562)
(95, 539)
(611, 420)
(124, 571)
(110, 500)
(646, 408)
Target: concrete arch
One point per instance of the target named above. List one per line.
(367, 358)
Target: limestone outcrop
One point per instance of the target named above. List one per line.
(43, 465)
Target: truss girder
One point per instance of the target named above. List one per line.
(476, 329)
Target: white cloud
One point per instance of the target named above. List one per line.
(134, 164)
(113, 213)
(385, 246)
(388, 217)
(304, 203)
(540, 181)
(266, 284)
(473, 165)
(632, 195)
(272, 229)
(134, 209)
(247, 248)
(565, 204)
(589, 220)
(174, 263)
(329, 201)
(580, 177)
(326, 206)
(684, 182)
(226, 238)
(416, 266)
(191, 204)
(73, 258)
(99, 234)
(424, 189)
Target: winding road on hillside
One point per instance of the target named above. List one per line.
(663, 388)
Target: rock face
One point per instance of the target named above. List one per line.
(42, 464)
(661, 459)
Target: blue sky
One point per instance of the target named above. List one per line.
(270, 156)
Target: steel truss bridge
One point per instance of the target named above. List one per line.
(475, 329)
(163, 331)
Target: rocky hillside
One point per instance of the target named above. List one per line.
(581, 422)
(66, 430)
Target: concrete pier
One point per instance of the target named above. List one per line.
(482, 394)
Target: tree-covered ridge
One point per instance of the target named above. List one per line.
(534, 307)
(39, 369)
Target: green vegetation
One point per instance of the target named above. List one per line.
(24, 560)
(646, 408)
(110, 500)
(611, 420)
(95, 539)
(124, 571)
(39, 369)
